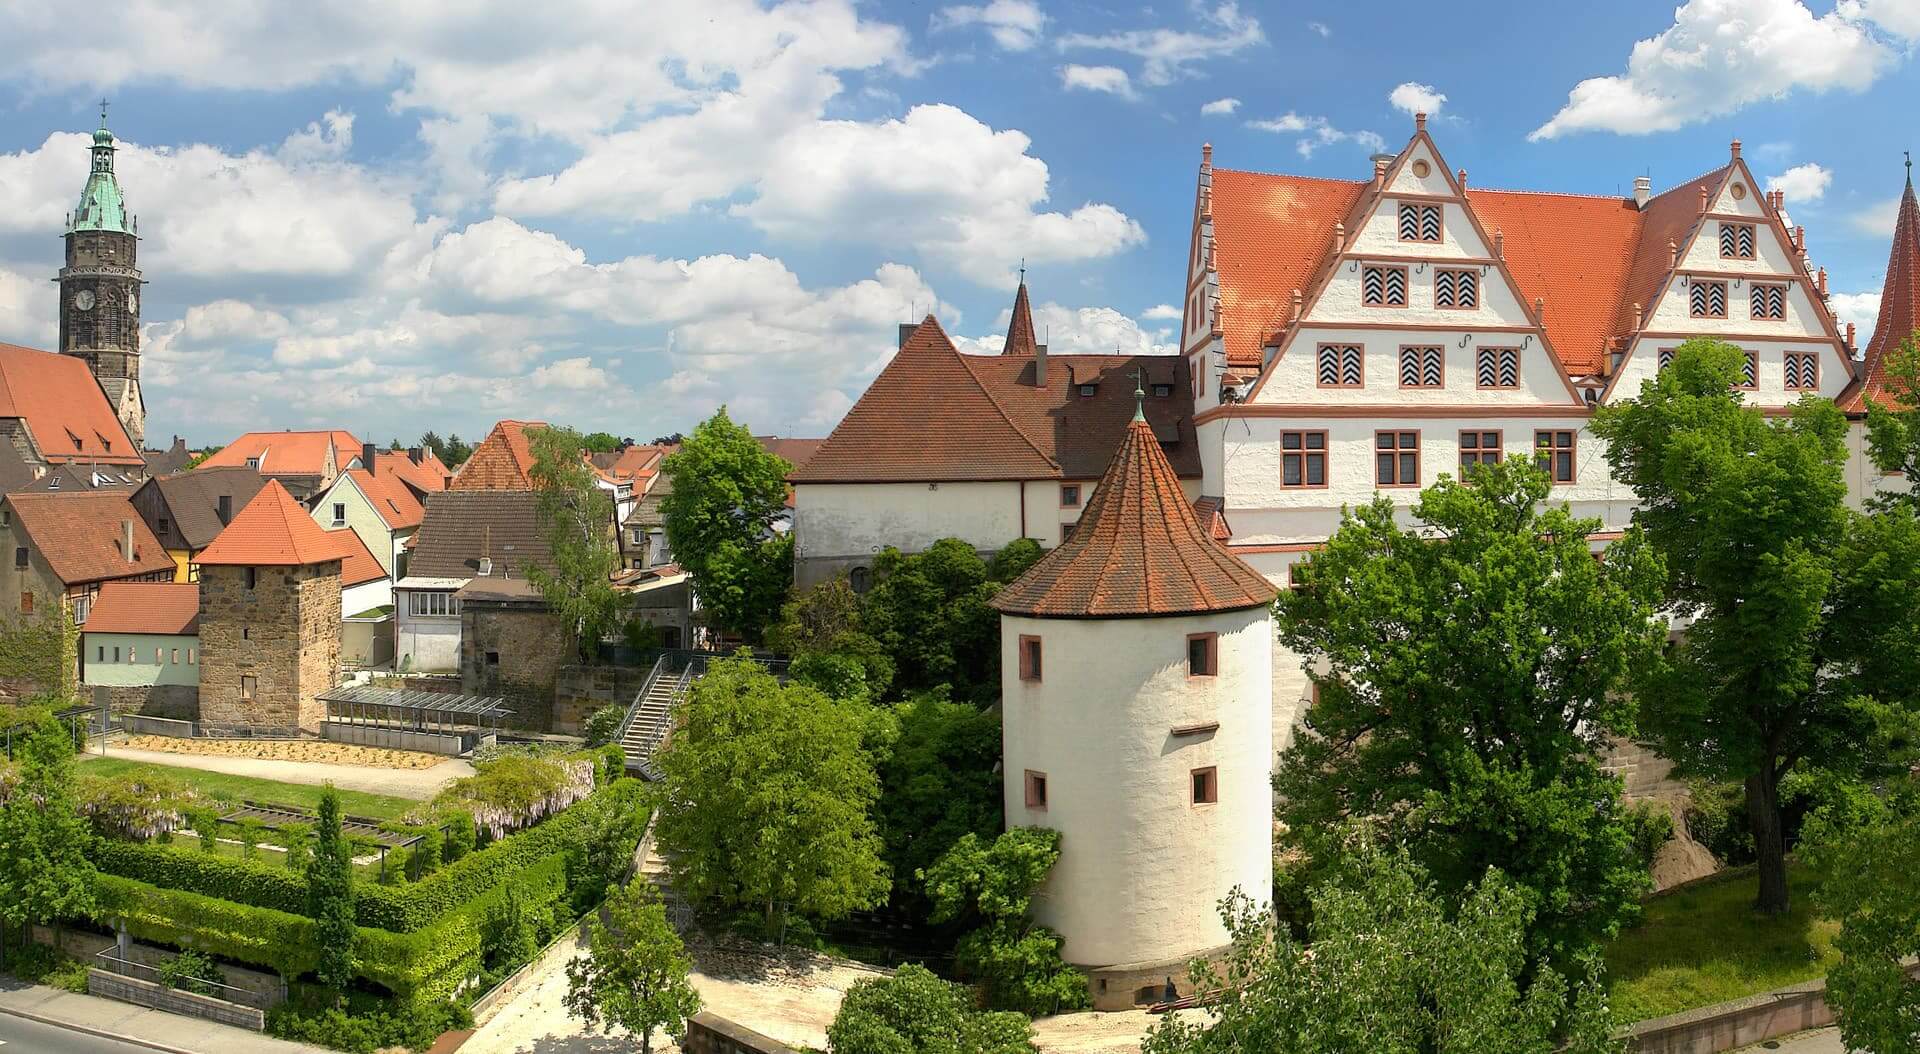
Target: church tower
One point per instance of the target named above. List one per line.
(100, 288)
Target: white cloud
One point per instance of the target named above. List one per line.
(1083, 330)
(1416, 98)
(1877, 219)
(1162, 313)
(1861, 309)
(1169, 54)
(1722, 55)
(1219, 107)
(1321, 28)
(1803, 183)
(1315, 132)
(1014, 25)
(28, 309)
(1110, 79)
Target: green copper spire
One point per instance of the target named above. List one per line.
(1139, 394)
(101, 206)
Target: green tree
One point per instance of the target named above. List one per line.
(1796, 600)
(634, 975)
(1390, 968)
(1869, 862)
(1893, 432)
(579, 519)
(915, 1012)
(1470, 673)
(1017, 963)
(939, 783)
(330, 895)
(822, 629)
(929, 611)
(767, 795)
(45, 875)
(727, 492)
(600, 442)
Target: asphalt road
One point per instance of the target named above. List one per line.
(32, 1037)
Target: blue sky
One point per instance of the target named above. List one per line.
(620, 215)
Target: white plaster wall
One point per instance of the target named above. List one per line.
(1671, 315)
(1340, 301)
(426, 644)
(1380, 231)
(1864, 478)
(1294, 376)
(1746, 205)
(162, 659)
(1770, 256)
(1141, 867)
(836, 520)
(1644, 363)
(1405, 182)
(361, 517)
(355, 599)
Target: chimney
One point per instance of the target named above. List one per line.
(1823, 283)
(1379, 170)
(1419, 122)
(416, 454)
(906, 333)
(1039, 365)
(223, 508)
(1849, 340)
(1736, 149)
(1463, 181)
(1642, 191)
(126, 540)
(366, 456)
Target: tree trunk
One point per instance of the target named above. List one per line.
(1769, 840)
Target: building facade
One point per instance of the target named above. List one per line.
(100, 288)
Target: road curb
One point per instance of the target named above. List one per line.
(97, 1033)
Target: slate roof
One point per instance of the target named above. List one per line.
(502, 461)
(64, 409)
(462, 526)
(193, 499)
(1899, 307)
(171, 608)
(1137, 551)
(936, 415)
(79, 533)
(288, 453)
(273, 530)
(169, 461)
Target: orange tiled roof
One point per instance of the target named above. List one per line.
(273, 529)
(1212, 514)
(1588, 258)
(1137, 550)
(80, 534)
(397, 505)
(636, 462)
(1020, 339)
(65, 411)
(171, 608)
(1899, 307)
(502, 461)
(427, 477)
(357, 564)
(288, 453)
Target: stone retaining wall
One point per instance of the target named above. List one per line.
(1742, 1022)
(177, 701)
(709, 1033)
(173, 1000)
(580, 690)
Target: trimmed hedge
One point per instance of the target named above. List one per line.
(250, 882)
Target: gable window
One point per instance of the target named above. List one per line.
(1340, 366)
(1396, 457)
(339, 513)
(1666, 357)
(1750, 371)
(1497, 368)
(1303, 459)
(1419, 223)
(1087, 390)
(1803, 371)
(1036, 789)
(1203, 654)
(1707, 299)
(1162, 391)
(1736, 241)
(165, 525)
(1456, 288)
(1478, 448)
(1383, 286)
(1423, 367)
(248, 686)
(1069, 495)
(1206, 785)
(1029, 658)
(1768, 301)
(1553, 452)
(20, 558)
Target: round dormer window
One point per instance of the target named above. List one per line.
(1421, 169)
(1738, 190)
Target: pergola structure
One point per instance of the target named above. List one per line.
(415, 710)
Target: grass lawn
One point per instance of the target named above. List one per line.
(222, 786)
(1703, 944)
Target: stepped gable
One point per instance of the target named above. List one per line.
(1138, 550)
(1899, 306)
(273, 530)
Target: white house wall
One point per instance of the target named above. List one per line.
(842, 520)
(1644, 363)
(365, 596)
(1407, 181)
(1293, 378)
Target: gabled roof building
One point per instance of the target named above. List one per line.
(304, 462)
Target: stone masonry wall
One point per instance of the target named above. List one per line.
(580, 690)
(284, 632)
(513, 651)
(178, 701)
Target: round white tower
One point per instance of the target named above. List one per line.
(1136, 688)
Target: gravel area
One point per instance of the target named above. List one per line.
(418, 784)
(315, 750)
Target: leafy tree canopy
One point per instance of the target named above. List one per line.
(578, 516)
(634, 975)
(1017, 963)
(727, 492)
(1470, 668)
(1893, 432)
(1802, 609)
(768, 789)
(939, 784)
(1869, 861)
(45, 874)
(600, 442)
(915, 1012)
(452, 451)
(1391, 967)
(929, 611)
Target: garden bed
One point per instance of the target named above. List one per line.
(1702, 943)
(222, 786)
(317, 750)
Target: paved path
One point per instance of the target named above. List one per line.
(418, 784)
(1819, 1041)
(37, 1017)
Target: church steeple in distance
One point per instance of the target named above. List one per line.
(1900, 297)
(100, 286)
(1020, 339)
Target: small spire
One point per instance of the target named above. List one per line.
(1139, 393)
(1020, 338)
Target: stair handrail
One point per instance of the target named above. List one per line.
(633, 708)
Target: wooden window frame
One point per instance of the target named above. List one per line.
(1065, 489)
(1786, 363)
(1339, 349)
(1398, 452)
(1032, 658)
(1401, 375)
(1303, 452)
(1420, 207)
(1757, 288)
(1211, 775)
(1752, 370)
(249, 687)
(1406, 286)
(1753, 241)
(1662, 358)
(1696, 283)
(1550, 452)
(1519, 371)
(1035, 786)
(1480, 450)
(1470, 274)
(1212, 642)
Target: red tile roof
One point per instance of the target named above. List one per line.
(397, 505)
(273, 529)
(80, 534)
(427, 477)
(1270, 232)
(357, 564)
(502, 461)
(935, 415)
(1020, 339)
(288, 453)
(1899, 307)
(1137, 550)
(628, 464)
(171, 608)
(65, 411)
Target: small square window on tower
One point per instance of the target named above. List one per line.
(1029, 658)
(248, 686)
(1203, 654)
(1206, 785)
(1036, 789)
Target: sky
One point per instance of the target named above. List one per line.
(620, 215)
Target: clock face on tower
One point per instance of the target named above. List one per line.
(83, 300)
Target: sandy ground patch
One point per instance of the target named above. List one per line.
(418, 784)
(315, 750)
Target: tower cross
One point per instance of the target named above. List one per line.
(103, 111)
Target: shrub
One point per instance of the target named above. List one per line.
(249, 831)
(147, 806)
(460, 837)
(206, 826)
(278, 940)
(424, 856)
(192, 972)
(413, 1026)
(1017, 963)
(1650, 825)
(517, 790)
(914, 1012)
(297, 838)
(604, 726)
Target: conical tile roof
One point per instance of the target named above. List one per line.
(1020, 339)
(1138, 550)
(274, 530)
(1899, 304)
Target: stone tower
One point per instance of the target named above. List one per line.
(1137, 707)
(100, 288)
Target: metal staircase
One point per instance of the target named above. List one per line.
(650, 716)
